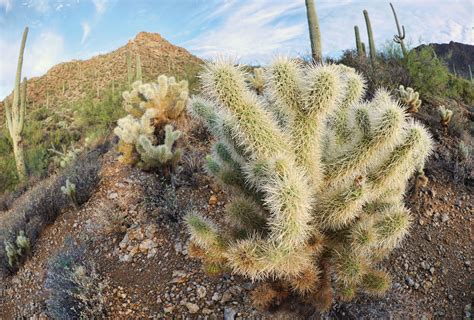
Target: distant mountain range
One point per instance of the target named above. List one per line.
(456, 55)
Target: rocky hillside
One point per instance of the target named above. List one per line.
(70, 81)
(456, 55)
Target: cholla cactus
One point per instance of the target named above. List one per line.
(151, 107)
(314, 199)
(161, 155)
(445, 115)
(70, 190)
(410, 98)
(257, 80)
(15, 251)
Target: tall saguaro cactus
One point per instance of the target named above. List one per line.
(373, 53)
(401, 33)
(314, 33)
(360, 50)
(15, 113)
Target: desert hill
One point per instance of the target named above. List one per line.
(71, 81)
(456, 55)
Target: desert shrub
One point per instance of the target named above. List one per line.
(320, 176)
(96, 118)
(39, 206)
(75, 290)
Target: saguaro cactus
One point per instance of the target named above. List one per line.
(470, 72)
(138, 71)
(360, 51)
(401, 33)
(311, 204)
(16, 113)
(373, 53)
(314, 33)
(129, 69)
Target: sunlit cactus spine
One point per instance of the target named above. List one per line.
(146, 135)
(15, 114)
(373, 53)
(400, 37)
(319, 176)
(410, 98)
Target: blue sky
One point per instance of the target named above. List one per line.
(251, 30)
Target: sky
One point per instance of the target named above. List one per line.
(251, 31)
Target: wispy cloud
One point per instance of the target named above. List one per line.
(6, 4)
(41, 53)
(100, 6)
(86, 29)
(250, 31)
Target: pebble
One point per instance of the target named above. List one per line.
(213, 200)
(192, 307)
(229, 313)
(201, 292)
(409, 281)
(444, 217)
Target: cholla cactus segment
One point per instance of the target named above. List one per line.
(157, 156)
(410, 98)
(257, 81)
(376, 282)
(320, 175)
(70, 191)
(445, 115)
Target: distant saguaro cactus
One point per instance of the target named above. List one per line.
(129, 69)
(138, 70)
(470, 72)
(360, 50)
(314, 33)
(15, 114)
(320, 176)
(373, 53)
(401, 33)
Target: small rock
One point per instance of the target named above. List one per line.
(409, 281)
(201, 292)
(213, 200)
(112, 195)
(192, 307)
(216, 296)
(207, 311)
(229, 313)
(226, 297)
(444, 217)
(425, 265)
(147, 245)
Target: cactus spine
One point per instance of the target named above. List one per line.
(309, 202)
(15, 115)
(373, 53)
(360, 50)
(314, 33)
(401, 33)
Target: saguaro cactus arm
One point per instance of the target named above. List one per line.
(373, 54)
(314, 33)
(401, 33)
(360, 51)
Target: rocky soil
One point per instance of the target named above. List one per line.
(133, 230)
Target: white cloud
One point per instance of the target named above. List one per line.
(100, 6)
(42, 6)
(6, 4)
(251, 30)
(257, 30)
(86, 29)
(41, 53)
